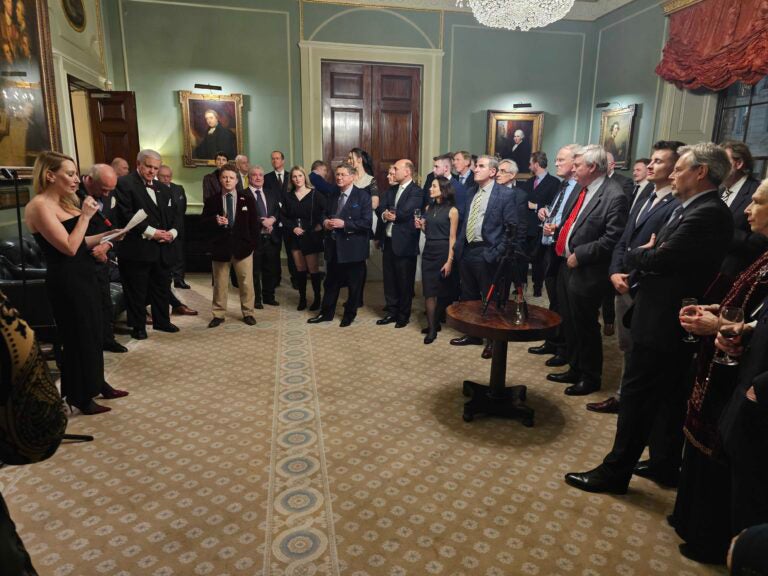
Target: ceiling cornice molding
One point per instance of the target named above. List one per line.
(587, 10)
(672, 6)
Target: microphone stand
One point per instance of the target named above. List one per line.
(506, 264)
(13, 174)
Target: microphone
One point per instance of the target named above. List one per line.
(82, 195)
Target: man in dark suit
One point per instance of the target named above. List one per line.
(120, 166)
(99, 183)
(541, 190)
(318, 177)
(346, 245)
(217, 138)
(552, 224)
(465, 181)
(266, 258)
(626, 183)
(401, 244)
(277, 182)
(233, 225)
(586, 241)
(680, 263)
(506, 176)
(645, 218)
(243, 167)
(211, 182)
(179, 197)
(482, 239)
(643, 187)
(147, 252)
(441, 166)
(736, 192)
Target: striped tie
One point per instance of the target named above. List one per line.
(474, 216)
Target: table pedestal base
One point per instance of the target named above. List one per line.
(509, 404)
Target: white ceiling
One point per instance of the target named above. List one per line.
(582, 9)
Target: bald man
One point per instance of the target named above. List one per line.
(120, 166)
(99, 183)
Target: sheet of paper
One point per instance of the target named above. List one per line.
(139, 217)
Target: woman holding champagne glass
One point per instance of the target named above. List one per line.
(702, 510)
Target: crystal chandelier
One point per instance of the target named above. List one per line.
(522, 14)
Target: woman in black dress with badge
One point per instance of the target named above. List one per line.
(440, 225)
(59, 226)
(302, 214)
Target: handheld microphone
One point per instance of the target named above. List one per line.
(82, 195)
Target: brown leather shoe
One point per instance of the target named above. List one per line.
(608, 406)
(487, 351)
(184, 310)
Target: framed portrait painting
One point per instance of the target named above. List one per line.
(514, 135)
(212, 123)
(617, 128)
(28, 115)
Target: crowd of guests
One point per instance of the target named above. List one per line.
(662, 254)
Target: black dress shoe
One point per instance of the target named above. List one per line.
(215, 322)
(609, 406)
(181, 284)
(319, 318)
(250, 320)
(429, 338)
(272, 302)
(665, 478)
(702, 556)
(466, 341)
(114, 346)
(401, 324)
(545, 348)
(346, 321)
(259, 306)
(487, 351)
(426, 330)
(556, 361)
(582, 388)
(597, 481)
(166, 327)
(570, 376)
(537, 292)
(139, 334)
(386, 320)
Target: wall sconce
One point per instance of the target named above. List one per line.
(208, 87)
(521, 105)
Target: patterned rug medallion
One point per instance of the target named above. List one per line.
(290, 449)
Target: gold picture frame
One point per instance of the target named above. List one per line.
(211, 123)
(74, 11)
(503, 131)
(617, 128)
(27, 93)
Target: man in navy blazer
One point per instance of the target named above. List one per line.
(401, 244)
(482, 239)
(542, 189)
(347, 223)
(463, 182)
(645, 218)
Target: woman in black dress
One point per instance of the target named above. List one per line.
(303, 215)
(440, 224)
(59, 225)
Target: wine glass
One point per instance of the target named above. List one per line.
(299, 223)
(690, 302)
(417, 213)
(547, 220)
(730, 326)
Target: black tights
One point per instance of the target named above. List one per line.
(435, 308)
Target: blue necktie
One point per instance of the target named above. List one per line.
(648, 206)
(230, 210)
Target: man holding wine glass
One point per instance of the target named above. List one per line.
(680, 263)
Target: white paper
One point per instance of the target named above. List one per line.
(139, 217)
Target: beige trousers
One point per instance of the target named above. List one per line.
(244, 273)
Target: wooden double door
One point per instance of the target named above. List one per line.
(373, 107)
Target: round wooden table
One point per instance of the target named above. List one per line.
(497, 399)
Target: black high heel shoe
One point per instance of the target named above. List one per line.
(430, 337)
(109, 393)
(90, 408)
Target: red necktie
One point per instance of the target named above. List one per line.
(560, 246)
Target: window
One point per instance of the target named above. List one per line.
(743, 116)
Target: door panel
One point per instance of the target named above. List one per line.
(346, 109)
(113, 125)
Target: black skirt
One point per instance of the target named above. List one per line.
(433, 283)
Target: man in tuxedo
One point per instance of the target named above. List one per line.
(179, 197)
(241, 163)
(736, 192)
(401, 244)
(441, 166)
(586, 241)
(482, 240)
(146, 254)
(217, 138)
(277, 182)
(212, 182)
(232, 223)
(643, 187)
(465, 181)
(99, 183)
(552, 223)
(678, 263)
(346, 245)
(266, 258)
(507, 177)
(645, 218)
(120, 166)
(541, 189)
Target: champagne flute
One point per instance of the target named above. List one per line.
(730, 326)
(299, 223)
(690, 338)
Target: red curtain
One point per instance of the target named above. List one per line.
(716, 43)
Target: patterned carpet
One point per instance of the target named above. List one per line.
(290, 449)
